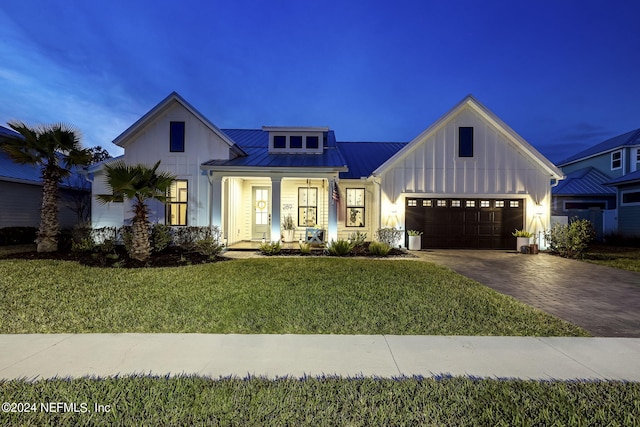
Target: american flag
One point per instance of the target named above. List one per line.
(335, 194)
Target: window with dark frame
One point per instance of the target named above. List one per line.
(177, 202)
(355, 207)
(295, 141)
(307, 206)
(631, 197)
(176, 137)
(312, 142)
(465, 142)
(279, 141)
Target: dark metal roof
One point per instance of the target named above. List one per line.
(9, 133)
(626, 179)
(365, 157)
(588, 182)
(256, 144)
(29, 174)
(626, 139)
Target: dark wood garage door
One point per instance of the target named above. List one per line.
(465, 223)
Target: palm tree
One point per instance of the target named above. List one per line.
(56, 149)
(138, 183)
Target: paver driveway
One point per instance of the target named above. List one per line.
(603, 300)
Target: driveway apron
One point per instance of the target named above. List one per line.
(603, 300)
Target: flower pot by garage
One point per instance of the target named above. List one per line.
(289, 235)
(533, 249)
(415, 243)
(522, 241)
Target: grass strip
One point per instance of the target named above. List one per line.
(278, 296)
(449, 401)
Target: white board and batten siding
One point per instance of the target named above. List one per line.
(502, 166)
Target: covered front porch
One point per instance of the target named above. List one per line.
(251, 209)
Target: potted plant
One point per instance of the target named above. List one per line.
(289, 229)
(415, 238)
(523, 238)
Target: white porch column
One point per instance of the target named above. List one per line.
(216, 200)
(276, 193)
(333, 213)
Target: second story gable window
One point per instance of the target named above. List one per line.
(176, 137)
(465, 142)
(312, 142)
(616, 160)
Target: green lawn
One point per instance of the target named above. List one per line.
(617, 257)
(325, 402)
(267, 295)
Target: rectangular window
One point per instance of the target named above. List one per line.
(176, 137)
(616, 160)
(485, 204)
(465, 142)
(412, 202)
(295, 141)
(471, 203)
(279, 141)
(441, 203)
(312, 142)
(455, 203)
(514, 204)
(307, 206)
(177, 198)
(631, 197)
(426, 203)
(355, 207)
(499, 203)
(584, 205)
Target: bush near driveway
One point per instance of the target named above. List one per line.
(310, 295)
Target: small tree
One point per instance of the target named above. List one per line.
(138, 183)
(56, 149)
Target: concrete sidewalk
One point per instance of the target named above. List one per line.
(36, 356)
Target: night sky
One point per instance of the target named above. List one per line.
(565, 74)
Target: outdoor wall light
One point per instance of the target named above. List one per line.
(539, 210)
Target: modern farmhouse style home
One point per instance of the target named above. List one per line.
(467, 181)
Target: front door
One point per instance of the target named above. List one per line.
(261, 214)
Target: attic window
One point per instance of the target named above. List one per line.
(279, 141)
(616, 160)
(465, 142)
(312, 142)
(295, 141)
(176, 137)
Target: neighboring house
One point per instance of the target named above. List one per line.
(466, 181)
(21, 193)
(603, 185)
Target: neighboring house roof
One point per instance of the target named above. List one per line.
(365, 157)
(584, 182)
(485, 113)
(160, 108)
(626, 139)
(11, 171)
(255, 143)
(9, 133)
(629, 178)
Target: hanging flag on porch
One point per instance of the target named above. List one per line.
(335, 193)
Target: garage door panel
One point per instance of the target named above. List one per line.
(465, 223)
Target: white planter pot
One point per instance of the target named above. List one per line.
(414, 243)
(522, 241)
(289, 235)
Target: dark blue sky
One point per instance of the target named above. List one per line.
(563, 74)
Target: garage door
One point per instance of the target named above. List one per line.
(465, 223)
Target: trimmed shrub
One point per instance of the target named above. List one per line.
(390, 236)
(17, 235)
(379, 248)
(340, 247)
(161, 237)
(572, 240)
(270, 248)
